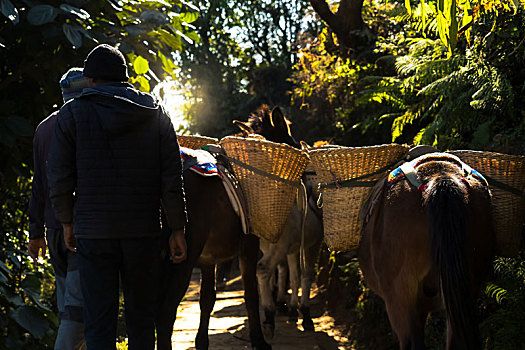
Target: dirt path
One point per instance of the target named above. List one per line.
(229, 324)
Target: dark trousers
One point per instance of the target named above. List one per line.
(101, 261)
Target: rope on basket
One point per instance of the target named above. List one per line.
(504, 186)
(355, 181)
(261, 172)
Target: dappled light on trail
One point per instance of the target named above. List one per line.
(229, 324)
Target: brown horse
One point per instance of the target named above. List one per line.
(429, 248)
(214, 235)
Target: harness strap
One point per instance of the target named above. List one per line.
(355, 181)
(504, 187)
(262, 173)
(411, 174)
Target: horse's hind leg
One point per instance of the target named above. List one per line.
(282, 284)
(273, 254)
(174, 283)
(407, 321)
(293, 267)
(206, 302)
(248, 264)
(307, 278)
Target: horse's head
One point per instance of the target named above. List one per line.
(273, 125)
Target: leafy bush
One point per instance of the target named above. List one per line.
(26, 317)
(504, 305)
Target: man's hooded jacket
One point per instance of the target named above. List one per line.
(114, 158)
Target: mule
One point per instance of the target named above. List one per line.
(214, 235)
(429, 248)
(286, 249)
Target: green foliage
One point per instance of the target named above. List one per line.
(410, 88)
(504, 306)
(26, 317)
(327, 84)
(243, 60)
(448, 14)
(465, 101)
(39, 42)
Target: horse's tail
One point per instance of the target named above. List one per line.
(447, 207)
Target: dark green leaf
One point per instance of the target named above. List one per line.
(19, 126)
(14, 259)
(154, 16)
(31, 285)
(32, 320)
(3, 278)
(11, 297)
(5, 268)
(6, 137)
(8, 9)
(137, 29)
(41, 14)
(73, 34)
(82, 14)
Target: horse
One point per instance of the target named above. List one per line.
(287, 248)
(430, 247)
(214, 235)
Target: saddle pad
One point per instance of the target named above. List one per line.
(199, 161)
(408, 170)
(204, 163)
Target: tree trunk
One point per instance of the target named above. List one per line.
(347, 23)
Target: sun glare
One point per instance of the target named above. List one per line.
(173, 102)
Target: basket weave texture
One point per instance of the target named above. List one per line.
(508, 208)
(194, 142)
(342, 227)
(269, 199)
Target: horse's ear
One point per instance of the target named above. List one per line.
(245, 128)
(278, 119)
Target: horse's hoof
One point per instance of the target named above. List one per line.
(220, 285)
(201, 342)
(308, 325)
(262, 346)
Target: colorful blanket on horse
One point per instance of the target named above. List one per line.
(199, 161)
(204, 163)
(408, 170)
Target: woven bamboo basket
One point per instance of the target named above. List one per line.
(310, 171)
(509, 208)
(194, 142)
(341, 205)
(269, 182)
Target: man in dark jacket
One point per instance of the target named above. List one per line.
(43, 224)
(115, 158)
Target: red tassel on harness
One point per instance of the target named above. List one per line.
(465, 181)
(423, 187)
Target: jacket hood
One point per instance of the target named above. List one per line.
(120, 107)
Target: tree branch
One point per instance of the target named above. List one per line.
(323, 10)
